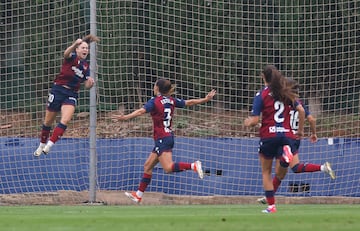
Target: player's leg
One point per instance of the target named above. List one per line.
(67, 112)
(45, 131)
(268, 149)
(300, 167)
(170, 166)
(280, 174)
(149, 165)
(266, 167)
(284, 157)
(164, 148)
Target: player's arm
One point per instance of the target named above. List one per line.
(133, 114)
(300, 109)
(312, 121)
(254, 118)
(251, 121)
(89, 82)
(207, 98)
(67, 52)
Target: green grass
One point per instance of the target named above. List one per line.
(173, 218)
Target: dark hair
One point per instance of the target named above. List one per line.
(293, 85)
(278, 85)
(90, 38)
(165, 87)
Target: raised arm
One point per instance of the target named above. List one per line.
(71, 48)
(207, 98)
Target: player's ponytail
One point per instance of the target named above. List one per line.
(280, 89)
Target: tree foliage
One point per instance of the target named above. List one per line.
(196, 43)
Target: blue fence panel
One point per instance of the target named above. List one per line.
(231, 166)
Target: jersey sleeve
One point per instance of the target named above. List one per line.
(149, 106)
(179, 103)
(307, 111)
(73, 56)
(257, 105)
(87, 74)
(295, 104)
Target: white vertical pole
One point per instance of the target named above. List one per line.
(93, 111)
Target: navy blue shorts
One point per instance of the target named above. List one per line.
(59, 96)
(164, 144)
(273, 147)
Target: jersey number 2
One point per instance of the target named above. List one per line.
(279, 108)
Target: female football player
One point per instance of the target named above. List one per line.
(295, 165)
(64, 93)
(274, 103)
(161, 108)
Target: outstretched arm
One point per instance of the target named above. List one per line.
(207, 98)
(133, 114)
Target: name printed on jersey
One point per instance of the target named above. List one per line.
(167, 100)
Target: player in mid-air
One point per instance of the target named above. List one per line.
(274, 103)
(295, 165)
(161, 108)
(64, 92)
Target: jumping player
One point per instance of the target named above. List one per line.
(161, 108)
(64, 92)
(276, 136)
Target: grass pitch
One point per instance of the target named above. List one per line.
(173, 218)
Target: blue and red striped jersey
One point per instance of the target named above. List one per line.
(73, 72)
(275, 116)
(161, 109)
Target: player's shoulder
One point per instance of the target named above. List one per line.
(300, 102)
(263, 91)
(71, 57)
(152, 99)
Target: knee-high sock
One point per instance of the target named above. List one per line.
(270, 197)
(58, 132)
(44, 135)
(181, 166)
(301, 167)
(276, 183)
(145, 181)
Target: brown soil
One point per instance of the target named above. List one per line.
(118, 198)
